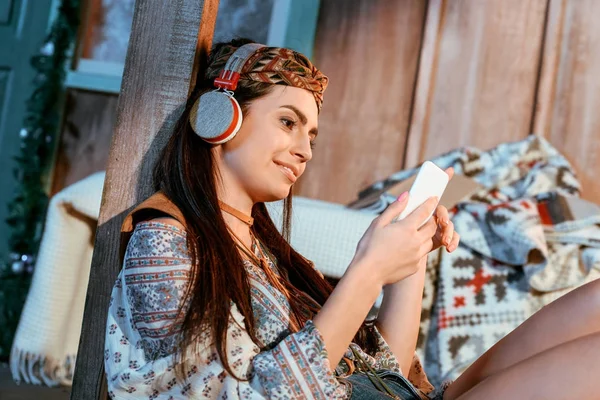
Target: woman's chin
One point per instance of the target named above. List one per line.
(276, 195)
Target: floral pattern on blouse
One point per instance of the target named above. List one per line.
(143, 329)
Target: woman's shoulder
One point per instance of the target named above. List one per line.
(160, 223)
(166, 222)
(158, 237)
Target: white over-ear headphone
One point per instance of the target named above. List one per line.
(216, 116)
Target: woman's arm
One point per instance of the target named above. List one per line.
(387, 253)
(400, 315)
(400, 312)
(346, 309)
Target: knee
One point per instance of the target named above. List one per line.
(592, 294)
(596, 288)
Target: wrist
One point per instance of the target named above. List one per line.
(409, 281)
(363, 275)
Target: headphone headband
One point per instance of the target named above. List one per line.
(229, 77)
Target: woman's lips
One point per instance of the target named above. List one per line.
(287, 172)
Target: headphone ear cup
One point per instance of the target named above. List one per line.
(216, 117)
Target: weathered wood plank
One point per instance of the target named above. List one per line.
(549, 67)
(168, 40)
(569, 93)
(370, 51)
(421, 111)
(479, 76)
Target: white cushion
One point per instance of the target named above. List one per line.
(325, 233)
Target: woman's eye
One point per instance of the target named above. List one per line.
(288, 123)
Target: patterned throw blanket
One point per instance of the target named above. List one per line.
(523, 246)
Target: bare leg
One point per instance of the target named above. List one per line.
(573, 316)
(568, 371)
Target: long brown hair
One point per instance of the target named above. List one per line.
(187, 175)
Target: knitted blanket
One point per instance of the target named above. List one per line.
(523, 245)
(45, 345)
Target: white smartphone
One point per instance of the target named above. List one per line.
(430, 181)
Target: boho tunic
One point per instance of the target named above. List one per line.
(140, 341)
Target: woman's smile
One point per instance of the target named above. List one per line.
(289, 171)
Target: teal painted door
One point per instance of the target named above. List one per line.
(23, 26)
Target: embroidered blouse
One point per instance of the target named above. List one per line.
(141, 335)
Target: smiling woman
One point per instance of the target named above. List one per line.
(211, 298)
(275, 138)
(213, 301)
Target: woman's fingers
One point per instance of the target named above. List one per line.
(428, 230)
(451, 234)
(425, 248)
(417, 217)
(393, 210)
(448, 234)
(455, 242)
(445, 228)
(442, 215)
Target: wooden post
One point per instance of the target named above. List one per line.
(169, 39)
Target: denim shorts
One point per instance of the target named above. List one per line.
(361, 387)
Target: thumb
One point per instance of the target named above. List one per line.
(394, 209)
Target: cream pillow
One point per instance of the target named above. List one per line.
(325, 233)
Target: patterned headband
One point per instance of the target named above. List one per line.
(278, 66)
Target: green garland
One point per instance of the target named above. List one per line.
(38, 140)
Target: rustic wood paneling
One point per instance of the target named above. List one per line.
(370, 51)
(478, 75)
(168, 39)
(550, 61)
(85, 137)
(569, 94)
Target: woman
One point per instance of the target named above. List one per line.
(213, 302)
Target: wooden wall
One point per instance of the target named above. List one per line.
(410, 79)
(478, 86)
(568, 107)
(85, 137)
(370, 51)
(413, 79)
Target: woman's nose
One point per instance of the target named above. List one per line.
(302, 150)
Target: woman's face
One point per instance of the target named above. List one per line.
(271, 150)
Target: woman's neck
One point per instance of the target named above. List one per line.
(235, 223)
(239, 228)
(231, 192)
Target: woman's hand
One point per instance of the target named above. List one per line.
(445, 234)
(392, 251)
